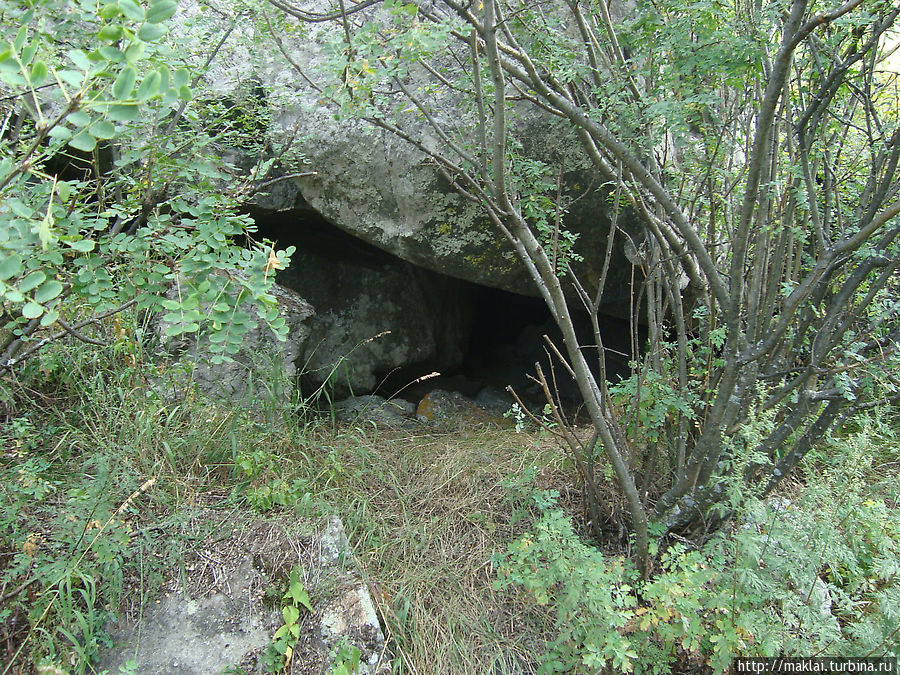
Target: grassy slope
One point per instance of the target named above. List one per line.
(82, 439)
(84, 533)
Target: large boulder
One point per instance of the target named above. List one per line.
(217, 616)
(374, 314)
(380, 188)
(357, 318)
(262, 363)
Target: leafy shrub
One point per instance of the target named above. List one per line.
(261, 482)
(815, 574)
(108, 196)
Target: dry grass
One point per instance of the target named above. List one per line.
(425, 515)
(425, 511)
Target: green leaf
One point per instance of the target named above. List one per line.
(134, 52)
(29, 52)
(109, 11)
(84, 142)
(103, 130)
(79, 118)
(297, 591)
(113, 54)
(160, 10)
(151, 31)
(164, 78)
(48, 291)
(290, 614)
(45, 230)
(32, 281)
(83, 245)
(124, 83)
(180, 78)
(110, 33)
(64, 190)
(80, 59)
(73, 78)
(9, 65)
(122, 112)
(60, 132)
(49, 318)
(20, 208)
(132, 10)
(21, 36)
(12, 79)
(184, 93)
(32, 310)
(38, 73)
(149, 87)
(10, 266)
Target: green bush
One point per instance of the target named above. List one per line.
(109, 195)
(816, 574)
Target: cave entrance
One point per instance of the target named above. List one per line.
(507, 338)
(475, 336)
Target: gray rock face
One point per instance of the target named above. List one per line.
(223, 620)
(262, 361)
(451, 409)
(349, 619)
(379, 189)
(187, 636)
(382, 190)
(374, 409)
(374, 313)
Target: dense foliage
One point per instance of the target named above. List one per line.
(111, 193)
(115, 205)
(816, 573)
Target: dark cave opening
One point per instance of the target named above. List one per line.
(475, 336)
(509, 336)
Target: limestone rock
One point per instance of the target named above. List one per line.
(349, 621)
(197, 636)
(262, 361)
(384, 191)
(395, 412)
(450, 409)
(494, 400)
(374, 314)
(216, 619)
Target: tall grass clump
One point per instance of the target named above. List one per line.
(105, 452)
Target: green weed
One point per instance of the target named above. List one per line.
(280, 651)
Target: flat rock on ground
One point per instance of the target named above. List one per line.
(395, 412)
(221, 617)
